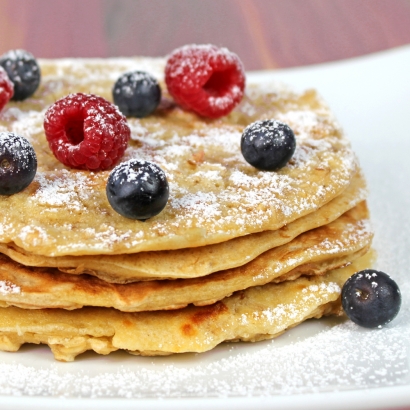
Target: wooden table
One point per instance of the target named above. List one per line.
(264, 33)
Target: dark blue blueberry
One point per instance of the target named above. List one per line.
(371, 298)
(268, 145)
(137, 94)
(23, 71)
(18, 163)
(137, 189)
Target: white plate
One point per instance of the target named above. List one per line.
(319, 365)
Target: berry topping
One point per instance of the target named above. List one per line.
(137, 94)
(86, 132)
(23, 71)
(205, 79)
(268, 145)
(18, 163)
(6, 88)
(371, 298)
(137, 189)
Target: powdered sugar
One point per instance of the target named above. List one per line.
(61, 190)
(294, 309)
(334, 358)
(26, 122)
(7, 287)
(352, 234)
(132, 171)
(33, 234)
(68, 70)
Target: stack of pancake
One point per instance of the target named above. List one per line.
(237, 253)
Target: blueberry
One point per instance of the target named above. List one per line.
(18, 163)
(137, 189)
(371, 298)
(137, 94)
(23, 71)
(268, 145)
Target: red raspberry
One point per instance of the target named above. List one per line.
(205, 79)
(6, 88)
(86, 132)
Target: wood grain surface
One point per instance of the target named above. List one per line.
(264, 33)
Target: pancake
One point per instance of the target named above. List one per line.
(215, 195)
(192, 262)
(312, 253)
(258, 313)
(236, 254)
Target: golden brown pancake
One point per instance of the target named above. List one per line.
(192, 262)
(215, 195)
(312, 253)
(258, 313)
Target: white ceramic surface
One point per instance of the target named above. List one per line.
(319, 365)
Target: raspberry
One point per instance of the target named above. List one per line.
(86, 132)
(6, 88)
(205, 79)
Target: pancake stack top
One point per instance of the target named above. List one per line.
(246, 249)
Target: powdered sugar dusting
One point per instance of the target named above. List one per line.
(62, 190)
(8, 287)
(335, 358)
(352, 234)
(293, 310)
(136, 170)
(82, 72)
